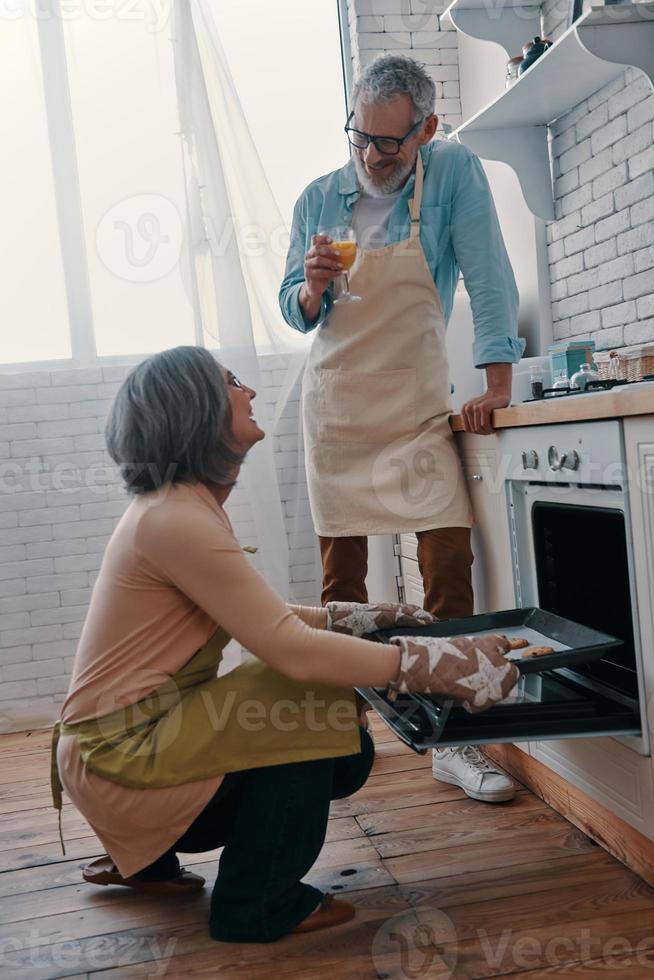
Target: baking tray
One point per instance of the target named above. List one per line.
(572, 643)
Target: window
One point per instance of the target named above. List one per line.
(131, 180)
(33, 304)
(93, 240)
(294, 101)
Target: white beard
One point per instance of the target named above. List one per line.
(393, 183)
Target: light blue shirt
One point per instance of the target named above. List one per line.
(459, 231)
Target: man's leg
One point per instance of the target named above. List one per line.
(344, 569)
(445, 561)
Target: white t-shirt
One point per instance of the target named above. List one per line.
(370, 219)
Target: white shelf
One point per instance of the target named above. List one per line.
(595, 50)
(508, 23)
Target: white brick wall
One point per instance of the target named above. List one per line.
(601, 245)
(412, 27)
(60, 499)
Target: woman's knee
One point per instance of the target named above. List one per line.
(352, 771)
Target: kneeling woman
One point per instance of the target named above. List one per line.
(157, 752)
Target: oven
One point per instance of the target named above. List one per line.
(567, 492)
(572, 570)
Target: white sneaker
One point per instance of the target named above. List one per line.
(466, 767)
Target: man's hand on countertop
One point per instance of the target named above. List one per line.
(476, 414)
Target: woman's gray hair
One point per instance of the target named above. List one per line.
(391, 75)
(171, 423)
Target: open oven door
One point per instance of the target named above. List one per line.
(547, 703)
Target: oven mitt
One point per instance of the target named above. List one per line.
(469, 669)
(359, 618)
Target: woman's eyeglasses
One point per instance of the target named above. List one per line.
(233, 381)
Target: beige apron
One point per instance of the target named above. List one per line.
(380, 455)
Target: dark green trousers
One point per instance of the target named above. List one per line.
(272, 823)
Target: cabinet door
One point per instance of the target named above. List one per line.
(413, 590)
(492, 572)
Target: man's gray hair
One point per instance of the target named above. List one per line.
(391, 75)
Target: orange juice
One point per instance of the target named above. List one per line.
(347, 251)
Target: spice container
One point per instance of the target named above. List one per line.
(536, 381)
(523, 371)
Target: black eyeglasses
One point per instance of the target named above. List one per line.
(233, 381)
(388, 145)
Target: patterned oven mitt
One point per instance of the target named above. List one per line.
(358, 618)
(469, 669)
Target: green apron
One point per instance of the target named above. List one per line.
(197, 725)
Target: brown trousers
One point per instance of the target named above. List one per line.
(444, 560)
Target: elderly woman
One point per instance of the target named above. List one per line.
(162, 755)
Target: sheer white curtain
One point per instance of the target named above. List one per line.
(239, 243)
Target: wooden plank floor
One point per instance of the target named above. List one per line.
(444, 887)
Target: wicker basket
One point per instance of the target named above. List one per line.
(627, 364)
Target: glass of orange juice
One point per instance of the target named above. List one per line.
(344, 240)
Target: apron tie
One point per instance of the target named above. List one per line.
(55, 782)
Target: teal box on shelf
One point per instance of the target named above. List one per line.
(567, 355)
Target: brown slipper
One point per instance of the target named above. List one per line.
(104, 872)
(330, 912)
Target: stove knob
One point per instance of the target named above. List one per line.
(558, 461)
(571, 460)
(530, 460)
(555, 459)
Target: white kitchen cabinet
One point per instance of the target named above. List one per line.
(413, 590)
(492, 575)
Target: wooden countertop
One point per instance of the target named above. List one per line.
(615, 403)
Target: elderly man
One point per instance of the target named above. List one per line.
(376, 390)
